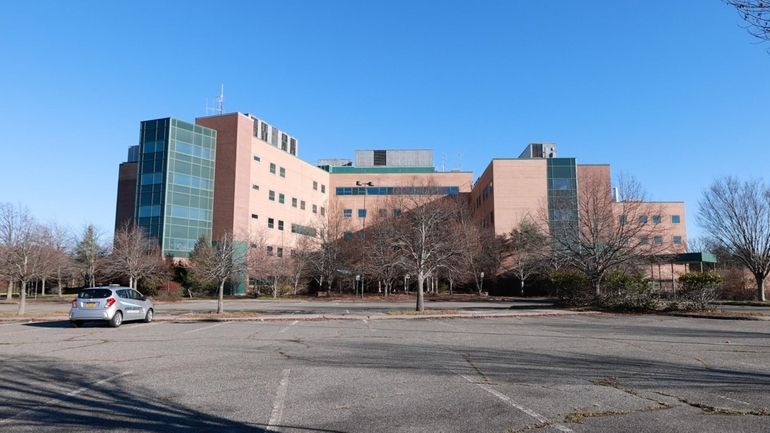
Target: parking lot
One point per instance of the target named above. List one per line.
(582, 373)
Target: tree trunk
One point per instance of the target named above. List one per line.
(58, 281)
(131, 282)
(9, 295)
(221, 297)
(22, 298)
(760, 286)
(420, 296)
(522, 286)
(42, 290)
(451, 286)
(597, 286)
(275, 287)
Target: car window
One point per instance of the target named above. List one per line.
(136, 295)
(95, 294)
(124, 294)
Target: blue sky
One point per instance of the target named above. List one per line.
(672, 92)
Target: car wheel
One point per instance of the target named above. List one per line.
(116, 320)
(148, 316)
(76, 323)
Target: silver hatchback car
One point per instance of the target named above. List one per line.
(111, 304)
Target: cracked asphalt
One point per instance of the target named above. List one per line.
(597, 373)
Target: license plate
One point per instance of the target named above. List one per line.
(90, 304)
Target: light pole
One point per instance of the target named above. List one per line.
(358, 279)
(406, 283)
(363, 232)
(481, 284)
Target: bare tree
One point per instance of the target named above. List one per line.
(263, 262)
(737, 216)
(756, 13)
(328, 256)
(425, 236)
(383, 261)
(595, 234)
(300, 260)
(223, 260)
(525, 251)
(20, 235)
(134, 255)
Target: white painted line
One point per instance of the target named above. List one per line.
(280, 398)
(506, 399)
(734, 400)
(63, 397)
(205, 327)
(286, 328)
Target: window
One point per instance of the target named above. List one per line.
(255, 216)
(658, 240)
(323, 188)
(347, 235)
(677, 240)
(282, 172)
(270, 223)
(644, 240)
(255, 187)
(379, 158)
(396, 212)
(656, 219)
(256, 158)
(622, 220)
(315, 186)
(303, 230)
(302, 204)
(323, 211)
(676, 219)
(272, 168)
(643, 219)
(315, 209)
(271, 195)
(269, 251)
(284, 142)
(294, 202)
(383, 213)
(279, 252)
(347, 213)
(263, 132)
(280, 224)
(281, 198)
(293, 146)
(362, 213)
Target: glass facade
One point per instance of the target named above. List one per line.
(562, 193)
(175, 191)
(398, 190)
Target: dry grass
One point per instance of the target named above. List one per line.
(427, 312)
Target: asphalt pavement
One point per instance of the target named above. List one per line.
(579, 373)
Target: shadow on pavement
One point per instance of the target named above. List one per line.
(45, 392)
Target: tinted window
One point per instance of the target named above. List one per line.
(124, 294)
(136, 295)
(95, 294)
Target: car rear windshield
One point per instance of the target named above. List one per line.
(95, 294)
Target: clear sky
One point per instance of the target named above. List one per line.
(672, 92)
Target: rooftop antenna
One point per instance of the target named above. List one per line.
(443, 161)
(219, 108)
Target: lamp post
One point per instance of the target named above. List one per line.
(481, 283)
(363, 232)
(358, 279)
(406, 283)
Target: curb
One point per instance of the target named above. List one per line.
(324, 317)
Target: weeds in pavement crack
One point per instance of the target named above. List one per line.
(717, 410)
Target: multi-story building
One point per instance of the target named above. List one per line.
(236, 173)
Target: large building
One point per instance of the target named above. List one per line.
(235, 173)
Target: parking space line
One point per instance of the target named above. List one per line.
(63, 397)
(280, 398)
(205, 327)
(510, 402)
(287, 328)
